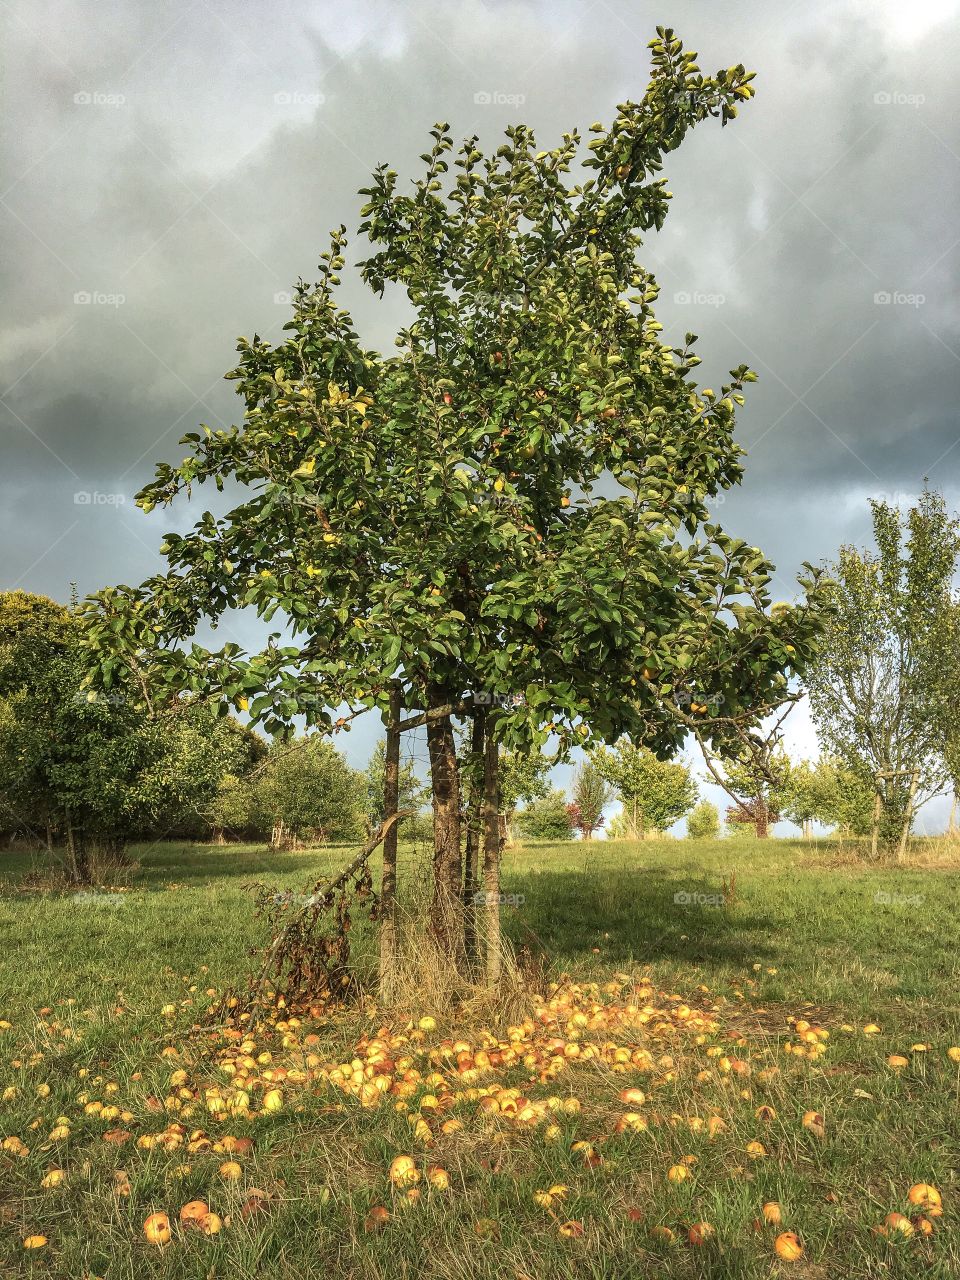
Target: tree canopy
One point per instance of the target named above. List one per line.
(890, 657)
(654, 793)
(431, 520)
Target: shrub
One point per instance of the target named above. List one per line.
(704, 822)
(547, 818)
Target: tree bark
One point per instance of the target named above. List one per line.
(446, 913)
(388, 886)
(907, 817)
(79, 858)
(471, 862)
(491, 857)
(875, 831)
(760, 816)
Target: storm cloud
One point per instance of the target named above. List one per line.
(169, 171)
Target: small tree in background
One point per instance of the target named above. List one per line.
(547, 818)
(412, 793)
(802, 800)
(883, 693)
(591, 794)
(704, 822)
(232, 810)
(755, 778)
(307, 790)
(98, 772)
(654, 793)
(523, 778)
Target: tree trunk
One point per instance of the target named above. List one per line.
(446, 914)
(79, 858)
(474, 840)
(760, 816)
(875, 831)
(491, 857)
(952, 828)
(388, 887)
(907, 817)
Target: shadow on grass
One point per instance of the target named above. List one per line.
(639, 915)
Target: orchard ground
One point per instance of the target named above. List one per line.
(782, 1012)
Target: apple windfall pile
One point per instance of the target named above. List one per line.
(607, 1077)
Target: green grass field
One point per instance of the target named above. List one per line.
(688, 971)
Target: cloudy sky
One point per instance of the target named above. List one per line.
(169, 171)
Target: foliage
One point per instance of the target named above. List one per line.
(432, 519)
(98, 769)
(546, 818)
(891, 653)
(307, 788)
(703, 823)
(832, 793)
(523, 778)
(757, 782)
(412, 792)
(654, 792)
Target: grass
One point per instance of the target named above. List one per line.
(678, 968)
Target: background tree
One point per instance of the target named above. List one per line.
(97, 771)
(802, 799)
(232, 810)
(306, 790)
(411, 791)
(704, 822)
(523, 779)
(590, 796)
(654, 793)
(428, 520)
(891, 651)
(758, 792)
(547, 818)
(754, 772)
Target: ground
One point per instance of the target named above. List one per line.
(785, 1019)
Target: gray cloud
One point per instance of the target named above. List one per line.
(212, 145)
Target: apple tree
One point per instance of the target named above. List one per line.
(654, 793)
(503, 523)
